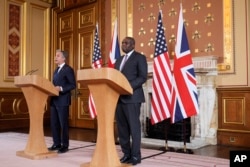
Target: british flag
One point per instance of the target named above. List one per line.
(184, 94)
(161, 84)
(114, 52)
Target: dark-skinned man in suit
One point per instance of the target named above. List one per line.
(133, 66)
(64, 81)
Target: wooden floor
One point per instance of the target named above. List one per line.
(90, 135)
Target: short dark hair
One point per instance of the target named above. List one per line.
(131, 39)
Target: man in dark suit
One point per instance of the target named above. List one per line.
(133, 65)
(64, 81)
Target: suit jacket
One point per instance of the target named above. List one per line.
(66, 79)
(135, 70)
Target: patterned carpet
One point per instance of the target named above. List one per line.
(81, 152)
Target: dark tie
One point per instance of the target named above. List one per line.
(56, 73)
(123, 62)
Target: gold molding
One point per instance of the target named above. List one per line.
(123, 10)
(228, 51)
(114, 13)
(49, 1)
(130, 18)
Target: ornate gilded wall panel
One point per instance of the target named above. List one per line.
(14, 29)
(74, 3)
(233, 116)
(85, 49)
(233, 110)
(66, 22)
(83, 109)
(13, 106)
(14, 112)
(66, 43)
(86, 17)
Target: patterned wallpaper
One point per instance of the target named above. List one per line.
(14, 38)
(203, 20)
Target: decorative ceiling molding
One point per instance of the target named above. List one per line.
(49, 1)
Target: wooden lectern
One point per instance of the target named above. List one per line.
(105, 85)
(36, 90)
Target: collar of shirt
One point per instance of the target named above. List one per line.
(60, 66)
(129, 53)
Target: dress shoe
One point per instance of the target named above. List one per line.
(63, 149)
(134, 160)
(55, 147)
(125, 159)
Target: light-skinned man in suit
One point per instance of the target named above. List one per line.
(64, 81)
(133, 66)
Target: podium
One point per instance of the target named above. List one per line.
(105, 85)
(36, 90)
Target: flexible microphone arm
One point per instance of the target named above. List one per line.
(31, 72)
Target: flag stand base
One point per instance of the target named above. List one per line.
(170, 149)
(186, 151)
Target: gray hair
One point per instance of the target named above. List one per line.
(64, 53)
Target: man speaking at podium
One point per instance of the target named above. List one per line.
(64, 81)
(133, 65)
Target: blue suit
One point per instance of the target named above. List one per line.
(59, 105)
(128, 106)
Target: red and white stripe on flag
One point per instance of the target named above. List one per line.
(184, 94)
(96, 63)
(162, 76)
(92, 109)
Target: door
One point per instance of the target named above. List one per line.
(76, 35)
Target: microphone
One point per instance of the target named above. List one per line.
(31, 72)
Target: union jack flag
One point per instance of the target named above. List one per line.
(161, 84)
(114, 52)
(184, 95)
(96, 63)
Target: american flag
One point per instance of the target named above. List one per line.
(184, 95)
(161, 84)
(97, 58)
(96, 63)
(114, 52)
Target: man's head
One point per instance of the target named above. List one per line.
(60, 56)
(128, 44)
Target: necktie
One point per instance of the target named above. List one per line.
(123, 62)
(56, 73)
(57, 69)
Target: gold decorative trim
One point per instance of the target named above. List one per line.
(228, 59)
(130, 18)
(231, 130)
(114, 13)
(49, 1)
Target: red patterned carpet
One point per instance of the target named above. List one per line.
(81, 152)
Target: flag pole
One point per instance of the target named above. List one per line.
(184, 150)
(166, 128)
(184, 132)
